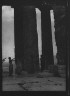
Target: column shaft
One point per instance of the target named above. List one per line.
(47, 48)
(18, 30)
(31, 57)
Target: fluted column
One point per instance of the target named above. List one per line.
(18, 30)
(26, 39)
(47, 49)
(31, 57)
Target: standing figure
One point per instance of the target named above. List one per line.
(10, 67)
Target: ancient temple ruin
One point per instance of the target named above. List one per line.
(26, 37)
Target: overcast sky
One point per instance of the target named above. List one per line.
(7, 31)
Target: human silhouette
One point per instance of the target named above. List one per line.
(10, 67)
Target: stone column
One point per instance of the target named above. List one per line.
(60, 34)
(47, 49)
(31, 56)
(18, 30)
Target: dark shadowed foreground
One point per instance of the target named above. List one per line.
(42, 81)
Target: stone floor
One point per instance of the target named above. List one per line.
(44, 81)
